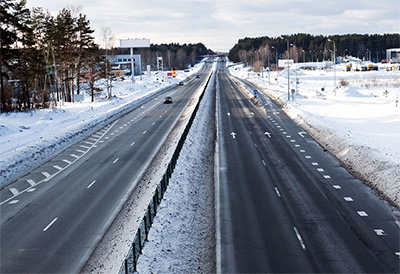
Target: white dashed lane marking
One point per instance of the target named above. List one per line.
(277, 192)
(50, 224)
(58, 167)
(303, 246)
(14, 191)
(92, 183)
(31, 182)
(362, 213)
(348, 199)
(46, 174)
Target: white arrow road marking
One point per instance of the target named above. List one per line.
(398, 254)
(233, 135)
(302, 133)
(268, 134)
(380, 232)
(50, 224)
(229, 114)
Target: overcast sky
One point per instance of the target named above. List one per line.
(218, 24)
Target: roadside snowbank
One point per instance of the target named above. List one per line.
(360, 125)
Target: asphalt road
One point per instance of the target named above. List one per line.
(284, 205)
(52, 219)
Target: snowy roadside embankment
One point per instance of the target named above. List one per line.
(28, 139)
(360, 125)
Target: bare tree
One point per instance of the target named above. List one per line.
(108, 41)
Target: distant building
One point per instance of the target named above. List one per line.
(123, 62)
(393, 55)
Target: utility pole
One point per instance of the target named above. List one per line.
(334, 63)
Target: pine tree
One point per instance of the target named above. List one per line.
(7, 40)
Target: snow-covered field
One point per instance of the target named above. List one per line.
(360, 124)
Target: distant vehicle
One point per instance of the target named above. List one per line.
(168, 100)
(197, 76)
(180, 84)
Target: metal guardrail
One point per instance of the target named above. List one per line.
(130, 263)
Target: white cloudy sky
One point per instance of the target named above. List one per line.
(220, 23)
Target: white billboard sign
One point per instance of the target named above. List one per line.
(134, 43)
(284, 63)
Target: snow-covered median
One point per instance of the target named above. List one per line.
(360, 125)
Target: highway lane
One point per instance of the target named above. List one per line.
(53, 218)
(286, 205)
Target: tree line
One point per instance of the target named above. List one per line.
(265, 51)
(44, 58)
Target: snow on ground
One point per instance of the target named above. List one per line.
(360, 125)
(28, 139)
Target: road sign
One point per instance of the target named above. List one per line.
(293, 90)
(284, 63)
(255, 92)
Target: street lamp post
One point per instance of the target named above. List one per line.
(334, 63)
(288, 77)
(277, 68)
